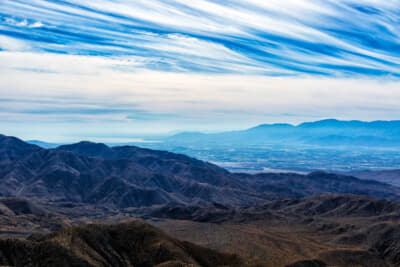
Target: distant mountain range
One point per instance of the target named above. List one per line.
(128, 176)
(328, 132)
(43, 144)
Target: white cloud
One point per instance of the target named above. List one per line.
(12, 44)
(23, 23)
(189, 95)
(36, 24)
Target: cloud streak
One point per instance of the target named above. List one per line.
(328, 38)
(72, 85)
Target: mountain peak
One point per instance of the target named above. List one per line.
(325, 123)
(87, 148)
(86, 144)
(12, 148)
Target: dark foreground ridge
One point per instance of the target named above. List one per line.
(128, 244)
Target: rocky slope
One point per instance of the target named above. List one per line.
(128, 244)
(327, 230)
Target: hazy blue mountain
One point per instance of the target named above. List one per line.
(328, 132)
(43, 144)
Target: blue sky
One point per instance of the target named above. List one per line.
(120, 69)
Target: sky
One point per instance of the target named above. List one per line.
(120, 70)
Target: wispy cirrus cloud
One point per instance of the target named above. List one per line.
(335, 38)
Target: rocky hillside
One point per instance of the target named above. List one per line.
(129, 244)
(327, 230)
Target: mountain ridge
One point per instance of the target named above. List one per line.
(129, 176)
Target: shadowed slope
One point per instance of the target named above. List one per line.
(385, 176)
(12, 148)
(120, 177)
(170, 164)
(292, 185)
(128, 244)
